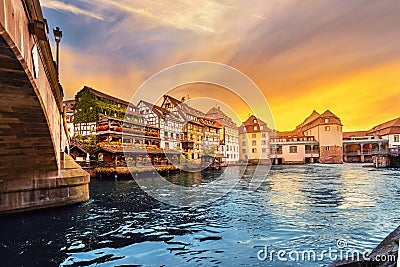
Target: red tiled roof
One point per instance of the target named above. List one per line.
(287, 133)
(248, 126)
(218, 115)
(182, 107)
(354, 134)
(106, 96)
(159, 111)
(389, 127)
(328, 113)
(314, 115)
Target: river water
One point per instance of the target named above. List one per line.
(297, 208)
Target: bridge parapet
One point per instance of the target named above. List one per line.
(32, 134)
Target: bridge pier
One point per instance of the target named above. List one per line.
(45, 189)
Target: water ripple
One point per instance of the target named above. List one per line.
(296, 207)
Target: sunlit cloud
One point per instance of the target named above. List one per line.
(197, 16)
(303, 55)
(61, 6)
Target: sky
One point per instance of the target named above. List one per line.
(303, 55)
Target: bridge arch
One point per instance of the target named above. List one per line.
(34, 170)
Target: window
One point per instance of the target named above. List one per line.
(261, 127)
(35, 61)
(254, 121)
(244, 151)
(293, 149)
(326, 120)
(396, 138)
(254, 136)
(263, 142)
(254, 150)
(264, 150)
(327, 148)
(264, 135)
(243, 143)
(327, 128)
(254, 143)
(255, 128)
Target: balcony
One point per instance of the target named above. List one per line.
(187, 140)
(188, 145)
(365, 152)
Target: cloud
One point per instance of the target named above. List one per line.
(304, 55)
(199, 17)
(61, 6)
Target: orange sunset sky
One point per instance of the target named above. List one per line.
(304, 55)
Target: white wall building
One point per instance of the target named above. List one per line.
(169, 124)
(389, 130)
(69, 115)
(229, 135)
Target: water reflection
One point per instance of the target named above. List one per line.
(296, 207)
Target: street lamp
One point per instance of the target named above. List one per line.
(57, 36)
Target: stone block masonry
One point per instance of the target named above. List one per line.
(66, 186)
(331, 154)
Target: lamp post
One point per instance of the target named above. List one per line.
(57, 36)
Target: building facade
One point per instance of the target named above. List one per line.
(91, 104)
(170, 124)
(229, 135)
(389, 130)
(69, 115)
(293, 149)
(317, 139)
(359, 146)
(199, 135)
(326, 128)
(363, 146)
(254, 141)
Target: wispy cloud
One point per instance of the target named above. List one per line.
(199, 17)
(61, 6)
(303, 55)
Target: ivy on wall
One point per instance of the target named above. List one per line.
(85, 106)
(88, 107)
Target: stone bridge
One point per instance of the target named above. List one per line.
(34, 170)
